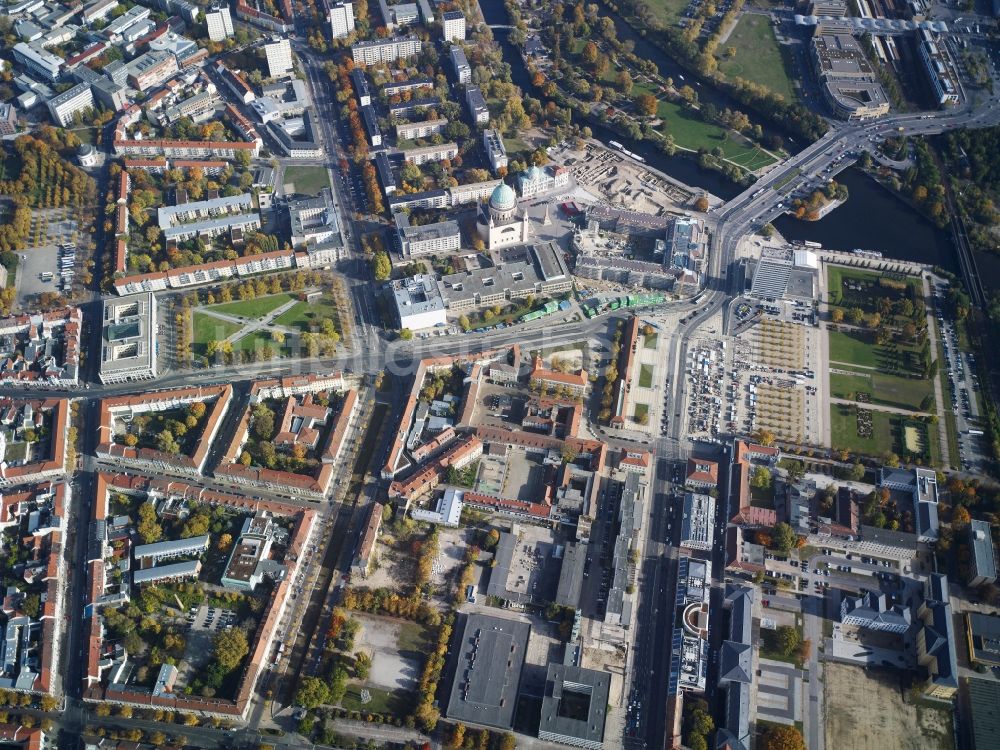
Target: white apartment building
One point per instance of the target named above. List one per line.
(409, 130)
(279, 58)
(453, 26)
(385, 50)
(496, 152)
(219, 22)
(63, 106)
(463, 71)
(341, 20)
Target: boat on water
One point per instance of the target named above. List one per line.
(616, 144)
(620, 147)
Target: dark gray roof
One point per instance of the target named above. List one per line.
(888, 537)
(574, 706)
(981, 542)
(739, 599)
(571, 575)
(984, 704)
(939, 633)
(489, 654)
(985, 631)
(735, 662)
(735, 734)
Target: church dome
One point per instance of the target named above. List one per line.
(503, 198)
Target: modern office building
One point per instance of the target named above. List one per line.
(37, 60)
(439, 238)
(939, 68)
(982, 558)
(63, 106)
(849, 84)
(385, 50)
(453, 26)
(219, 22)
(698, 521)
(574, 705)
(341, 19)
(418, 302)
(151, 69)
(128, 339)
(982, 633)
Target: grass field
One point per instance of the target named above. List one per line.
(253, 308)
(649, 342)
(394, 703)
(306, 315)
(208, 328)
(307, 180)
(856, 348)
(667, 11)
(692, 133)
(890, 390)
(837, 275)
(641, 411)
(646, 376)
(887, 434)
(758, 56)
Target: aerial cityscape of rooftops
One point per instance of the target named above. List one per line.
(476, 374)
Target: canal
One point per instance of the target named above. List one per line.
(871, 219)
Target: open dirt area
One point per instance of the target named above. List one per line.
(866, 711)
(397, 648)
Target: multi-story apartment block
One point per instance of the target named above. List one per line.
(424, 154)
(341, 19)
(453, 26)
(385, 50)
(8, 119)
(360, 83)
(279, 58)
(370, 120)
(220, 23)
(460, 63)
(476, 103)
(63, 106)
(410, 130)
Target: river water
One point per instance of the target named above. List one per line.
(871, 219)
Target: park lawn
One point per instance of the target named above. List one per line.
(641, 410)
(844, 431)
(306, 315)
(517, 146)
(886, 434)
(258, 340)
(759, 57)
(393, 703)
(692, 133)
(836, 275)
(649, 342)
(856, 348)
(209, 328)
(307, 180)
(253, 308)
(646, 376)
(889, 390)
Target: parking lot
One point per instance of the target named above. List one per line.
(704, 375)
(963, 382)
